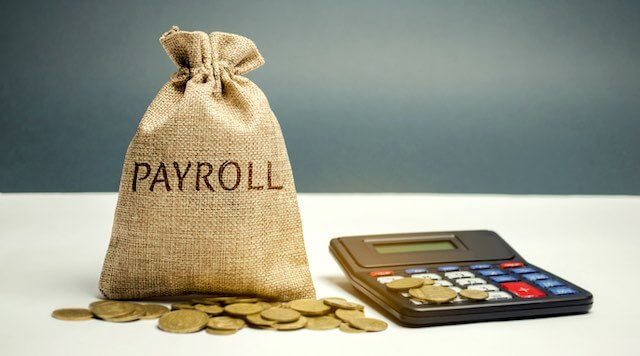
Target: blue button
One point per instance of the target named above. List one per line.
(535, 276)
(548, 283)
(504, 278)
(447, 268)
(415, 270)
(522, 270)
(491, 272)
(482, 266)
(562, 290)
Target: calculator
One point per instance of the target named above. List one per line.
(459, 260)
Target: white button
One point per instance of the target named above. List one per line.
(426, 275)
(415, 301)
(405, 294)
(459, 274)
(485, 287)
(456, 289)
(457, 300)
(387, 279)
(499, 295)
(443, 283)
(470, 281)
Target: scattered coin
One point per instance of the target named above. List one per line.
(405, 284)
(434, 294)
(182, 305)
(349, 329)
(153, 311)
(226, 323)
(281, 315)
(309, 307)
(257, 319)
(298, 324)
(322, 323)
(211, 309)
(112, 309)
(342, 304)
(346, 315)
(221, 331)
(242, 309)
(368, 324)
(183, 321)
(474, 294)
(72, 314)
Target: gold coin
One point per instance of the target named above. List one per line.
(226, 323)
(206, 301)
(264, 305)
(348, 329)
(257, 319)
(428, 282)
(246, 300)
(322, 323)
(242, 309)
(153, 311)
(474, 294)
(298, 324)
(341, 303)
(434, 294)
(183, 321)
(211, 309)
(310, 307)
(112, 309)
(346, 315)
(281, 315)
(182, 306)
(404, 284)
(72, 314)
(368, 324)
(221, 331)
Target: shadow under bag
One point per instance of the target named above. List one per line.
(207, 202)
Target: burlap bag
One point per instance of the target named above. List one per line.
(207, 202)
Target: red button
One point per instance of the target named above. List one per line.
(381, 273)
(523, 290)
(511, 264)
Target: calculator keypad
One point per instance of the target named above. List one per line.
(502, 282)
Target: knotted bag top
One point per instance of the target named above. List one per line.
(202, 58)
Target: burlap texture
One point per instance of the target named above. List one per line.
(207, 202)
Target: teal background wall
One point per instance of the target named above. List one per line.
(372, 96)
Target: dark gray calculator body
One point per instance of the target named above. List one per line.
(458, 260)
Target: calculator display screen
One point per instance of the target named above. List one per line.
(414, 247)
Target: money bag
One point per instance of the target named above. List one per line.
(207, 202)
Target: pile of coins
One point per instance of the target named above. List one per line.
(424, 289)
(225, 315)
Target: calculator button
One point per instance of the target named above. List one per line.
(387, 279)
(480, 266)
(381, 273)
(484, 287)
(426, 275)
(405, 294)
(458, 299)
(459, 274)
(504, 278)
(448, 268)
(456, 289)
(499, 295)
(511, 264)
(523, 290)
(491, 272)
(470, 281)
(443, 283)
(523, 270)
(415, 301)
(562, 290)
(548, 283)
(415, 270)
(535, 276)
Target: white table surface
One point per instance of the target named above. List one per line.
(52, 247)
